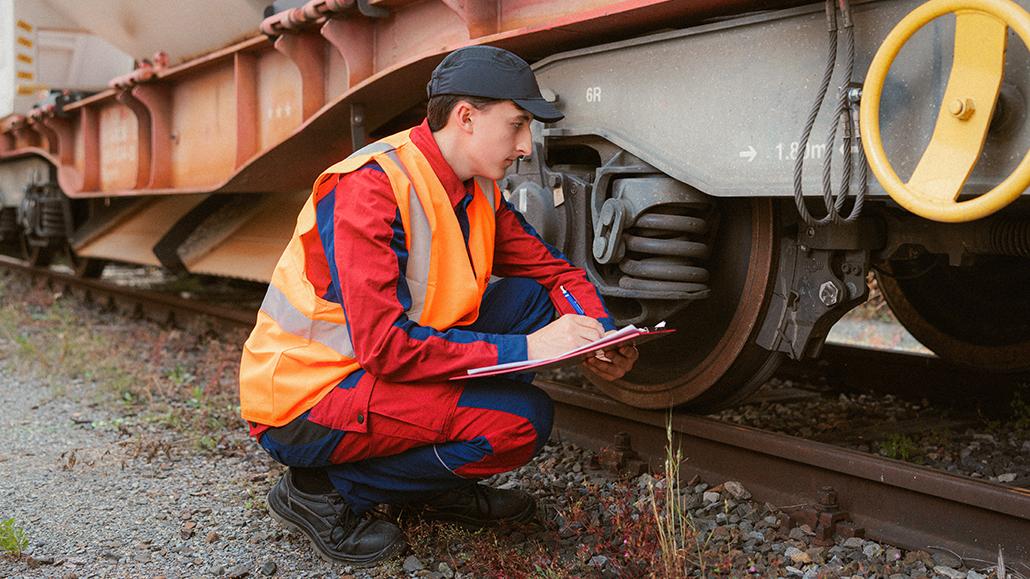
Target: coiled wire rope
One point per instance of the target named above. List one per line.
(845, 112)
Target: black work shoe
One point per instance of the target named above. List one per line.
(477, 506)
(334, 529)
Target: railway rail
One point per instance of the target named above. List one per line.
(832, 489)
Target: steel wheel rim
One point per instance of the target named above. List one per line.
(731, 343)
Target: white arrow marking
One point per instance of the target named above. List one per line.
(749, 154)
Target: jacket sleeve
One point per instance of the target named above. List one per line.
(369, 247)
(520, 252)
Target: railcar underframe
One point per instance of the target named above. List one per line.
(669, 181)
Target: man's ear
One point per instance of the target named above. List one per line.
(461, 116)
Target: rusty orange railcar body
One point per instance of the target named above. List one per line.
(265, 116)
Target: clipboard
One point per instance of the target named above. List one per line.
(628, 335)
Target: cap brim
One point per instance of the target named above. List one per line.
(541, 110)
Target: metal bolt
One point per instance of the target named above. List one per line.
(829, 294)
(962, 109)
(855, 95)
(827, 498)
(810, 232)
(622, 441)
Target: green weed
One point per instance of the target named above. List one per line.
(13, 540)
(899, 446)
(1020, 406)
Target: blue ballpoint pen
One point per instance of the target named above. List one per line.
(572, 301)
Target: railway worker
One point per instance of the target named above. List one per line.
(384, 293)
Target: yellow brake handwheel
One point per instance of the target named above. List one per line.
(932, 191)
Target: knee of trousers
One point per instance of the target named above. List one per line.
(538, 309)
(528, 436)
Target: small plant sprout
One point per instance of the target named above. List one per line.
(672, 522)
(12, 538)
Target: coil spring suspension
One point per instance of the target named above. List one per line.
(52, 217)
(667, 248)
(45, 212)
(1008, 237)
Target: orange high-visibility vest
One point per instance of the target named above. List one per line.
(300, 348)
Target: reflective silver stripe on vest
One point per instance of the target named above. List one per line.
(290, 319)
(419, 249)
(372, 149)
(487, 187)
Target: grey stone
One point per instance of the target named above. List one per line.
(736, 490)
(872, 550)
(973, 574)
(598, 561)
(854, 543)
(711, 496)
(412, 564)
(892, 555)
(794, 571)
(268, 568)
(797, 534)
(240, 571)
(949, 572)
(445, 570)
(797, 555)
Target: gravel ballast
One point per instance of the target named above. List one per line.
(103, 487)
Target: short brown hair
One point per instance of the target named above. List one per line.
(440, 107)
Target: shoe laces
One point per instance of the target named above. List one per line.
(346, 520)
(480, 495)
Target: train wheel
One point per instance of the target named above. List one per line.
(84, 267)
(712, 360)
(977, 316)
(36, 254)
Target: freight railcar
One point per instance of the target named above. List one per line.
(735, 167)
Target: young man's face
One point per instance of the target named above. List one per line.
(500, 134)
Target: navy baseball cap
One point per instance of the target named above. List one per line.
(490, 72)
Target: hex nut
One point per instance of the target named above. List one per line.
(829, 293)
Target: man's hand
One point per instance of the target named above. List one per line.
(616, 362)
(566, 333)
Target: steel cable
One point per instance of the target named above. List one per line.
(843, 112)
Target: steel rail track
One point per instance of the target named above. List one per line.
(153, 305)
(893, 501)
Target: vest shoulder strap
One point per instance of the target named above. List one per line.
(355, 160)
(488, 187)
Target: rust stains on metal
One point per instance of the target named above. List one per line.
(826, 519)
(302, 108)
(903, 504)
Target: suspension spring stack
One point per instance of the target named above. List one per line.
(45, 213)
(667, 248)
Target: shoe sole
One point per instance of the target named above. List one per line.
(283, 518)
